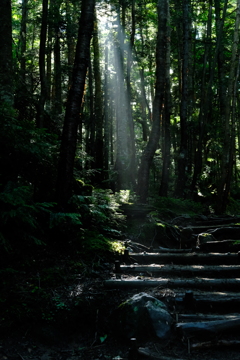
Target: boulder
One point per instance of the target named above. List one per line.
(144, 317)
(204, 238)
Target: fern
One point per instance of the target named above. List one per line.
(19, 217)
(60, 218)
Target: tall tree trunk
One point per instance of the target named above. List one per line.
(23, 41)
(20, 98)
(42, 52)
(106, 115)
(145, 109)
(57, 100)
(122, 134)
(98, 108)
(132, 149)
(6, 66)
(206, 103)
(227, 155)
(166, 120)
(49, 67)
(183, 154)
(70, 39)
(206, 89)
(148, 154)
(71, 121)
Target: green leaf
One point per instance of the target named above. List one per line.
(103, 338)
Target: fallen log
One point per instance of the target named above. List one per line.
(205, 283)
(167, 250)
(219, 221)
(231, 232)
(221, 246)
(148, 354)
(145, 353)
(216, 302)
(186, 270)
(207, 328)
(207, 228)
(204, 317)
(215, 343)
(188, 258)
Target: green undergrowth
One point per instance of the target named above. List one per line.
(44, 251)
(94, 243)
(170, 207)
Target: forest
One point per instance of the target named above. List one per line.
(105, 103)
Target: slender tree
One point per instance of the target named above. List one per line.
(57, 85)
(149, 151)
(23, 41)
(166, 147)
(42, 70)
(183, 154)
(98, 107)
(227, 155)
(75, 96)
(6, 66)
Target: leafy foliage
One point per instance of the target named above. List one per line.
(173, 206)
(20, 217)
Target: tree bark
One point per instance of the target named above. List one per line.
(71, 121)
(98, 109)
(70, 15)
(148, 153)
(227, 154)
(204, 106)
(57, 99)
(163, 191)
(183, 154)
(42, 53)
(23, 42)
(206, 92)
(6, 66)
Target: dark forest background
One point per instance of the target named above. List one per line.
(104, 103)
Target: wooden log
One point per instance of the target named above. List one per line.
(190, 259)
(204, 317)
(185, 270)
(208, 227)
(223, 233)
(167, 250)
(205, 329)
(219, 221)
(226, 284)
(146, 353)
(215, 302)
(215, 343)
(221, 246)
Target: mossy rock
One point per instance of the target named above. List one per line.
(153, 233)
(143, 317)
